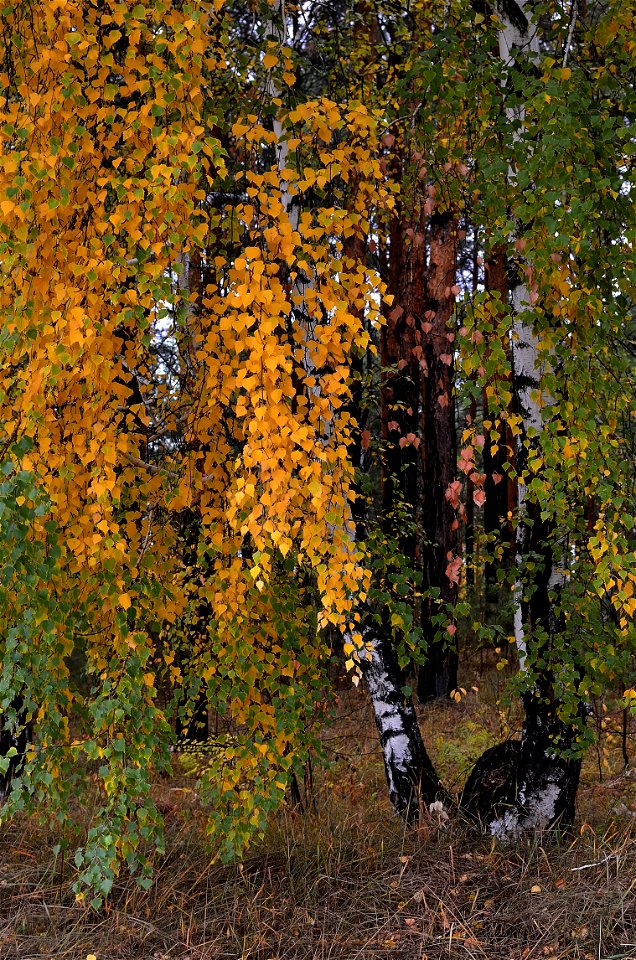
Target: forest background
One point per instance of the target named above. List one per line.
(317, 357)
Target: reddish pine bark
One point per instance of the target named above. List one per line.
(400, 389)
(438, 455)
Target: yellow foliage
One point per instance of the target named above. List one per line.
(111, 244)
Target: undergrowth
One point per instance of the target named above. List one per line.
(340, 878)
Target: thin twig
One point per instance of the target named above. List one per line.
(597, 863)
(568, 42)
(152, 467)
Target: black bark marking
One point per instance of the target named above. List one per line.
(511, 11)
(491, 787)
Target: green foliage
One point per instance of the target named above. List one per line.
(38, 624)
(31, 616)
(454, 757)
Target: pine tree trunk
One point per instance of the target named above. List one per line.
(438, 676)
(400, 389)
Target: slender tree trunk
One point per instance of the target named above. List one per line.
(537, 781)
(354, 249)
(438, 677)
(192, 726)
(411, 777)
(497, 485)
(400, 389)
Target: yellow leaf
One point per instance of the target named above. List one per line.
(124, 601)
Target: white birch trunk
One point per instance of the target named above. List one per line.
(545, 782)
(278, 29)
(528, 369)
(414, 786)
(411, 778)
(513, 41)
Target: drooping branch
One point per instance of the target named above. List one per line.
(16, 734)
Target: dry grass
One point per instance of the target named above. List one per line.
(344, 881)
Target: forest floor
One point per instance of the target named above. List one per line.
(343, 880)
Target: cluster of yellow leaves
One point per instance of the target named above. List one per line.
(111, 236)
(276, 331)
(96, 202)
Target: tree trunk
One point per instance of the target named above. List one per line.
(498, 487)
(438, 676)
(532, 783)
(543, 776)
(540, 785)
(355, 249)
(412, 780)
(400, 390)
(191, 721)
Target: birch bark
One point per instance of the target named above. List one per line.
(411, 778)
(540, 779)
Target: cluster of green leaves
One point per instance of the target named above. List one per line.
(40, 622)
(576, 233)
(32, 654)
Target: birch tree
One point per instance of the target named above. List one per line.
(546, 779)
(411, 777)
(537, 777)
